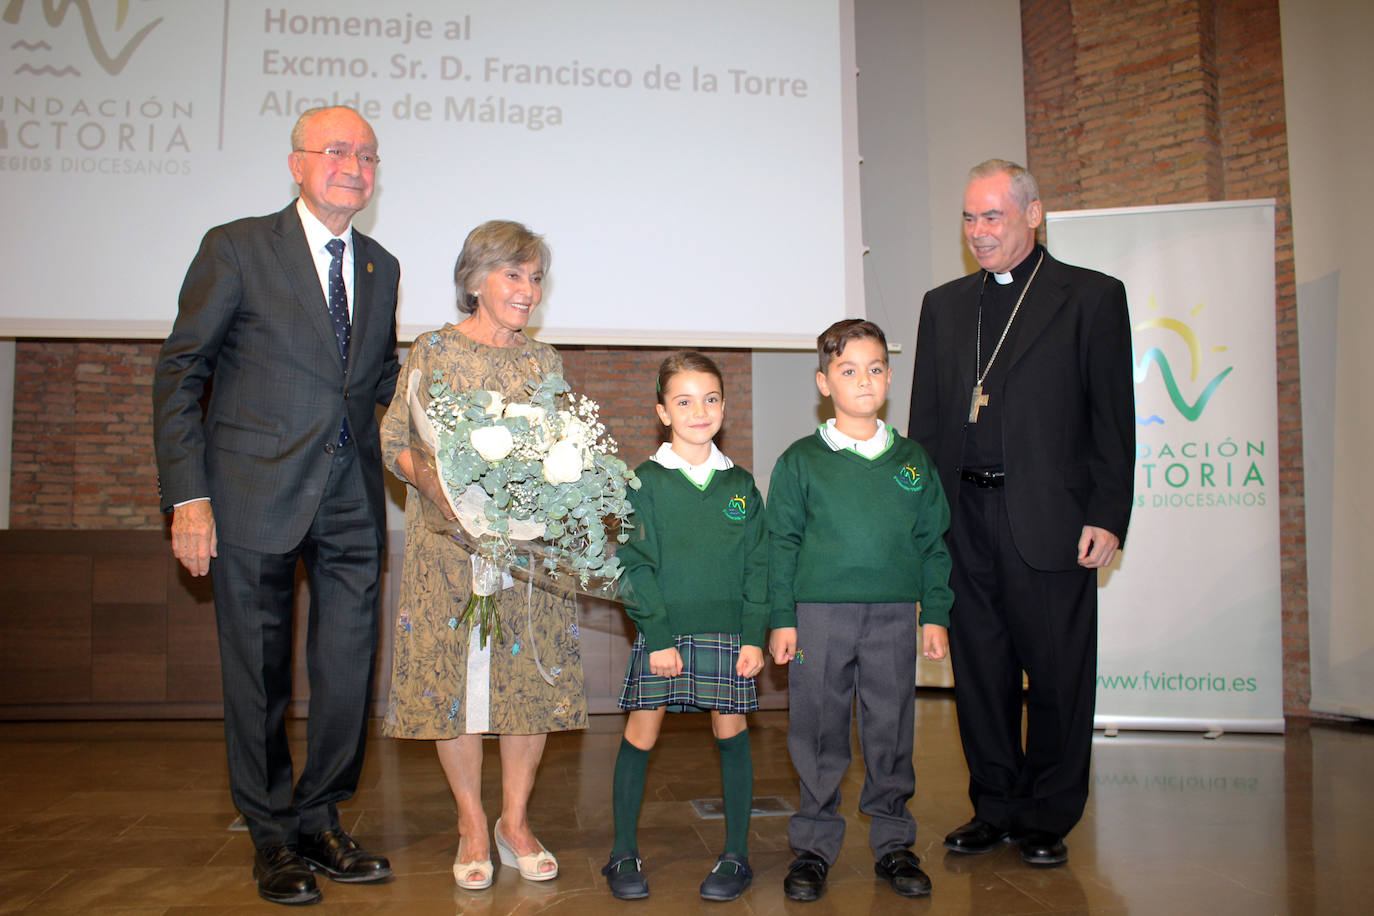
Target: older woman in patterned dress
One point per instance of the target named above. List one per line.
(445, 686)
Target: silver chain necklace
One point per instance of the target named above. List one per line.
(980, 400)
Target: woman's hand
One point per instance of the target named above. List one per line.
(750, 662)
(420, 472)
(665, 663)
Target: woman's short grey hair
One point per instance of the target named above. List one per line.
(496, 243)
(1024, 188)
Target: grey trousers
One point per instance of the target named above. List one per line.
(848, 653)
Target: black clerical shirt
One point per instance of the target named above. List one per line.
(983, 440)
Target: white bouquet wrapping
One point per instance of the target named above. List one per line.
(531, 486)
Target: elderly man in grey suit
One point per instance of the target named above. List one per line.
(291, 320)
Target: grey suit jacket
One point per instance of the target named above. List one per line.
(1068, 409)
(252, 322)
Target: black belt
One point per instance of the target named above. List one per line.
(983, 478)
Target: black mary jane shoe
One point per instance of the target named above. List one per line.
(625, 876)
(902, 869)
(730, 877)
(805, 879)
(340, 857)
(1042, 849)
(283, 877)
(975, 838)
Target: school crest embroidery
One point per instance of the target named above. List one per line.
(735, 509)
(909, 478)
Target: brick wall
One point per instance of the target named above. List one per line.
(622, 380)
(83, 432)
(1173, 101)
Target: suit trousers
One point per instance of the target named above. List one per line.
(848, 654)
(1008, 618)
(254, 609)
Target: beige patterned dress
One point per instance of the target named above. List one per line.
(442, 684)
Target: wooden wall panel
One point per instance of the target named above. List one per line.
(95, 625)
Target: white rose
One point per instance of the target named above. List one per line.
(497, 403)
(492, 442)
(563, 464)
(574, 430)
(531, 412)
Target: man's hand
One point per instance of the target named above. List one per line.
(1096, 547)
(193, 536)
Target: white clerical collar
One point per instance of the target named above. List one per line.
(1025, 267)
(871, 447)
(700, 474)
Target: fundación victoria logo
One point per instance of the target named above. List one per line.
(1155, 356)
(1179, 469)
(68, 103)
(104, 43)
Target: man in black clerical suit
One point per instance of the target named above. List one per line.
(1023, 396)
(293, 317)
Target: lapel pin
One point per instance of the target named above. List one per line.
(369, 267)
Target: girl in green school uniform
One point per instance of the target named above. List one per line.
(695, 580)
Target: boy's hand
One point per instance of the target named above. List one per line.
(665, 663)
(750, 661)
(782, 644)
(934, 641)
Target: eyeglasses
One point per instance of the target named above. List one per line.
(339, 156)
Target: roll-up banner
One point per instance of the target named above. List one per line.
(1189, 617)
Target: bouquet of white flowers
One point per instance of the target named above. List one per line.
(532, 485)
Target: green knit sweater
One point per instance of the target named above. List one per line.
(850, 529)
(697, 559)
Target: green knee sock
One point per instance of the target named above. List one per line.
(737, 781)
(627, 794)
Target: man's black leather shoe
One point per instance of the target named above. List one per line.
(975, 838)
(902, 870)
(805, 879)
(1042, 849)
(283, 877)
(340, 857)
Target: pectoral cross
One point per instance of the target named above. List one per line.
(978, 401)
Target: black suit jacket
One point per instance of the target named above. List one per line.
(252, 315)
(1068, 406)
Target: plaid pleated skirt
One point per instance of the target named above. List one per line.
(708, 679)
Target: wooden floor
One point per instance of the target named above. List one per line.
(133, 817)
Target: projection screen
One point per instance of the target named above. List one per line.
(694, 166)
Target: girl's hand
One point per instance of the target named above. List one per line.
(750, 661)
(782, 644)
(665, 663)
(934, 641)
